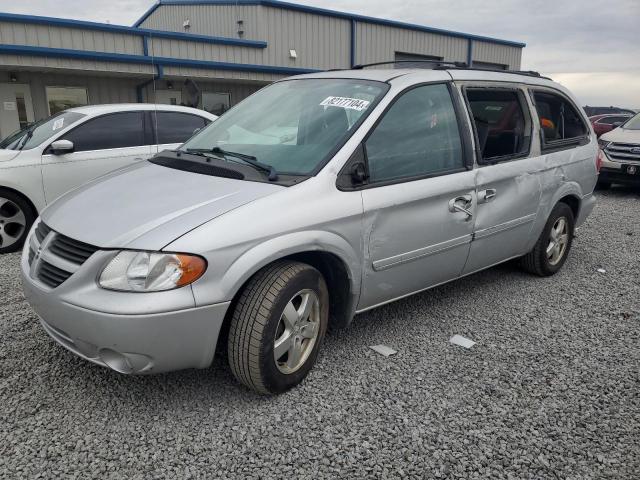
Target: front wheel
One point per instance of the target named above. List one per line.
(552, 248)
(16, 218)
(277, 327)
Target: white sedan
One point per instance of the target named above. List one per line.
(41, 162)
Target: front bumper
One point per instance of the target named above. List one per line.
(129, 342)
(616, 172)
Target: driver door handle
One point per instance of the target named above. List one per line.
(462, 204)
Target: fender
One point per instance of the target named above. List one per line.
(566, 189)
(264, 253)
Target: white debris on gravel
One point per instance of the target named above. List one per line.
(553, 393)
(383, 350)
(602, 270)
(462, 341)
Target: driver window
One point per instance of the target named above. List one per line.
(417, 137)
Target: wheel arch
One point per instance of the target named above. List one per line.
(329, 253)
(34, 210)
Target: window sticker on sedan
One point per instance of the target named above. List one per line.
(345, 102)
(58, 124)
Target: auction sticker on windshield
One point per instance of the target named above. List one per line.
(345, 102)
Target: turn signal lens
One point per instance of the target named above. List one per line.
(151, 272)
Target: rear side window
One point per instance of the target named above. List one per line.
(175, 127)
(502, 123)
(117, 130)
(417, 137)
(559, 120)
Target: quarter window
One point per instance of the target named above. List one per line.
(175, 127)
(417, 137)
(559, 119)
(118, 130)
(503, 128)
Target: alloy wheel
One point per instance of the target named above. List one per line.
(297, 331)
(13, 223)
(558, 240)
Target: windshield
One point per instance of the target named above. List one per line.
(36, 133)
(633, 123)
(294, 125)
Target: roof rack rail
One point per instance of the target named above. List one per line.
(528, 73)
(438, 63)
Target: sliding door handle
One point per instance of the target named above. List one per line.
(487, 195)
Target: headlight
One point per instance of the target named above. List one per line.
(151, 272)
(603, 143)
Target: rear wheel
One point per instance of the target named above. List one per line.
(277, 326)
(552, 248)
(16, 218)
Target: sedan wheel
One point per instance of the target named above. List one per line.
(14, 224)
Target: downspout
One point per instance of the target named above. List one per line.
(159, 72)
(353, 43)
(470, 54)
(140, 88)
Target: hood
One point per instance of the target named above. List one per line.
(6, 155)
(622, 135)
(147, 206)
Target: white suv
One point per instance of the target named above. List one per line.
(66, 150)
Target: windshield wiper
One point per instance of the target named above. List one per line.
(249, 159)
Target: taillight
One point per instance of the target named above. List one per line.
(599, 159)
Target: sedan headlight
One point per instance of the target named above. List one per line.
(151, 272)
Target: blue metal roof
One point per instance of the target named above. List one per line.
(330, 13)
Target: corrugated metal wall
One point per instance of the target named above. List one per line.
(39, 63)
(218, 20)
(73, 38)
(237, 90)
(378, 43)
(494, 53)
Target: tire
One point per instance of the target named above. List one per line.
(260, 323)
(538, 261)
(16, 218)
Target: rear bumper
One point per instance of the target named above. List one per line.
(147, 343)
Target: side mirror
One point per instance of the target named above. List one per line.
(60, 147)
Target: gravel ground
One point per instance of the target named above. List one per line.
(551, 390)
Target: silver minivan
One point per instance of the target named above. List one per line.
(317, 198)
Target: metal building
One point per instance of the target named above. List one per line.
(206, 53)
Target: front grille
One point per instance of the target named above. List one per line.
(71, 250)
(52, 276)
(623, 152)
(42, 231)
(60, 257)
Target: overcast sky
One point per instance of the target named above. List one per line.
(591, 46)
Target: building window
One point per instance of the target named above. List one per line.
(61, 98)
(216, 102)
(412, 60)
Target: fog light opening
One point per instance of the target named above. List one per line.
(115, 361)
